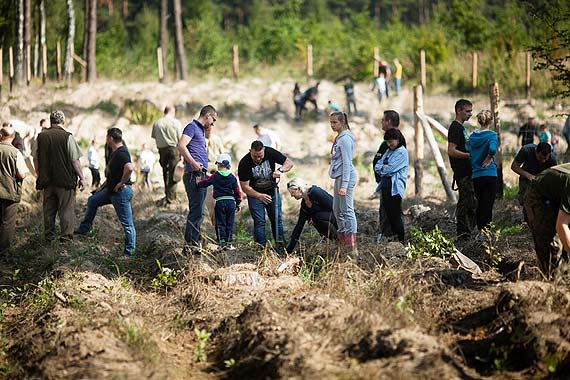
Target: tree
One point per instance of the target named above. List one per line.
(164, 34)
(181, 66)
(69, 51)
(27, 36)
(19, 51)
(91, 42)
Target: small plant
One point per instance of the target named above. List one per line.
(491, 235)
(510, 192)
(429, 244)
(200, 351)
(312, 269)
(229, 363)
(166, 277)
(511, 230)
(404, 305)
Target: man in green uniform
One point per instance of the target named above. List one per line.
(548, 207)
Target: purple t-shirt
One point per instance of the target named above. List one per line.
(197, 144)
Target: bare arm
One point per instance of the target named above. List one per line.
(563, 230)
(453, 152)
(516, 167)
(287, 165)
(79, 172)
(127, 171)
(185, 153)
(251, 193)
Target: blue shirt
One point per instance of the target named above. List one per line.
(197, 144)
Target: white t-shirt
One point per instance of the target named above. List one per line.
(93, 157)
(269, 138)
(147, 159)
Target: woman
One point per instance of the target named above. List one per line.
(393, 169)
(482, 146)
(316, 207)
(344, 175)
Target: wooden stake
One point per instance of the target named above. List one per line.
(236, 61)
(418, 139)
(58, 60)
(11, 62)
(44, 64)
(376, 62)
(528, 69)
(28, 64)
(474, 77)
(423, 69)
(309, 60)
(159, 61)
(495, 101)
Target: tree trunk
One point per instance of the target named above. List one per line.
(92, 42)
(164, 35)
(85, 51)
(37, 50)
(27, 37)
(68, 60)
(125, 8)
(19, 56)
(180, 53)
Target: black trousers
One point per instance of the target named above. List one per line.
(169, 158)
(325, 223)
(485, 191)
(394, 215)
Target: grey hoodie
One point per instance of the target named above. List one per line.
(341, 160)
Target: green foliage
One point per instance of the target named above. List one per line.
(229, 363)
(312, 269)
(491, 236)
(404, 305)
(510, 192)
(200, 351)
(429, 244)
(166, 277)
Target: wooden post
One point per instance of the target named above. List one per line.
(160, 64)
(1, 73)
(423, 69)
(11, 63)
(494, 93)
(28, 64)
(44, 64)
(58, 60)
(309, 60)
(438, 158)
(528, 68)
(418, 139)
(235, 49)
(376, 62)
(474, 77)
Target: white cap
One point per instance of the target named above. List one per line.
(224, 159)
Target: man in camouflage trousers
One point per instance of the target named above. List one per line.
(548, 206)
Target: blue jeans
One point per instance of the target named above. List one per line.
(343, 207)
(257, 209)
(196, 200)
(121, 202)
(225, 211)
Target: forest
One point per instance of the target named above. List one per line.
(198, 36)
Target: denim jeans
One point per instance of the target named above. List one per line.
(257, 209)
(343, 206)
(398, 84)
(121, 201)
(196, 198)
(225, 210)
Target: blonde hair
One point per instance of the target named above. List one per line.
(485, 118)
(341, 116)
(298, 183)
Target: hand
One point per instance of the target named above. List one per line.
(238, 208)
(196, 166)
(531, 177)
(266, 199)
(487, 161)
(277, 173)
(81, 184)
(118, 187)
(342, 191)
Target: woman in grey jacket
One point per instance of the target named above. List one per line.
(344, 175)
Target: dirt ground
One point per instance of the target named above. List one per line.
(78, 310)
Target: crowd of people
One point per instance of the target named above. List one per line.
(544, 186)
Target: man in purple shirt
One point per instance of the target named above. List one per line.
(192, 147)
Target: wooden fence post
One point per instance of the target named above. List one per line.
(474, 77)
(418, 139)
(376, 62)
(494, 92)
(160, 64)
(527, 77)
(11, 63)
(309, 60)
(1, 72)
(423, 68)
(44, 64)
(58, 60)
(235, 49)
(28, 64)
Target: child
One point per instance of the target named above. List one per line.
(227, 196)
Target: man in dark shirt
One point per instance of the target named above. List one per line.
(350, 98)
(116, 190)
(528, 131)
(257, 175)
(459, 160)
(530, 161)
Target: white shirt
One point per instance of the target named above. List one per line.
(269, 138)
(147, 159)
(93, 157)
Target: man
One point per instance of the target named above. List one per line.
(12, 173)
(167, 131)
(397, 76)
(58, 169)
(390, 120)
(528, 131)
(310, 95)
(116, 190)
(257, 175)
(349, 93)
(192, 147)
(548, 206)
(34, 146)
(267, 137)
(461, 166)
(528, 163)
(387, 72)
